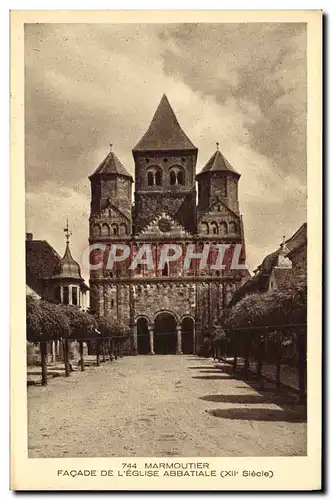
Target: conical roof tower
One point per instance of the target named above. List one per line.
(164, 132)
(68, 268)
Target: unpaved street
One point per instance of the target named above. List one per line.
(160, 406)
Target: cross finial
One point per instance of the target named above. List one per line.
(67, 232)
(217, 146)
(111, 146)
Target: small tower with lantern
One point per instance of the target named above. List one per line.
(69, 287)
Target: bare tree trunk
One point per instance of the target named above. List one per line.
(81, 355)
(302, 364)
(278, 365)
(97, 351)
(247, 356)
(103, 350)
(43, 358)
(260, 356)
(65, 357)
(109, 345)
(234, 354)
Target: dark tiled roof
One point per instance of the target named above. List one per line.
(218, 163)
(111, 165)
(269, 261)
(41, 262)
(298, 239)
(257, 284)
(164, 132)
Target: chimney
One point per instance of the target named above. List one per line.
(29, 236)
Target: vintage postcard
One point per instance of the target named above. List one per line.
(166, 216)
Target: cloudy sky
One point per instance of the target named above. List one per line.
(243, 85)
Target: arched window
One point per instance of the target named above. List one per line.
(176, 175)
(158, 178)
(204, 228)
(172, 178)
(155, 176)
(115, 229)
(150, 179)
(96, 230)
(181, 177)
(165, 271)
(214, 228)
(223, 228)
(105, 230)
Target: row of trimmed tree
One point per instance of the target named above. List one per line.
(259, 326)
(47, 322)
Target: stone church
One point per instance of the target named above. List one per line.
(169, 310)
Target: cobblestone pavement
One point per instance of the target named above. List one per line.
(161, 406)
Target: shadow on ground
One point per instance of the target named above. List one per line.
(294, 414)
(203, 368)
(212, 377)
(278, 399)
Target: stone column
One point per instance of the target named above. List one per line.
(151, 333)
(61, 294)
(134, 331)
(53, 352)
(194, 339)
(70, 288)
(57, 350)
(179, 340)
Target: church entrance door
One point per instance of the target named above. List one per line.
(165, 334)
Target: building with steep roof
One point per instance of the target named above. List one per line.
(52, 278)
(170, 309)
(288, 262)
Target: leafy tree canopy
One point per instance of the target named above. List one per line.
(282, 306)
(110, 327)
(45, 321)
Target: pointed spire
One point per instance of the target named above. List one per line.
(111, 165)
(164, 132)
(218, 163)
(68, 267)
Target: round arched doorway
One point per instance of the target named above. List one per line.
(188, 340)
(165, 333)
(143, 337)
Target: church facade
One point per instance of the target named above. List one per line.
(170, 309)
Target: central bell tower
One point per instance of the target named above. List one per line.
(165, 164)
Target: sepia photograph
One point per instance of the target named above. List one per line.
(166, 207)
